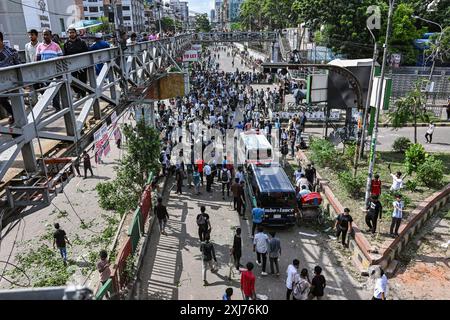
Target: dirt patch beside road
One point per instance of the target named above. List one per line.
(425, 265)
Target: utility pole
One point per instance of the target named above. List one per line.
(369, 94)
(378, 102)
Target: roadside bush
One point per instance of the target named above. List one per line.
(414, 157)
(352, 185)
(387, 198)
(431, 172)
(401, 144)
(325, 154)
(411, 185)
(350, 149)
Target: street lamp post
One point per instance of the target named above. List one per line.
(369, 94)
(378, 102)
(437, 48)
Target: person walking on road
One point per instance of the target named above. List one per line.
(103, 267)
(274, 252)
(59, 240)
(241, 201)
(87, 164)
(236, 250)
(261, 246)
(228, 293)
(343, 225)
(318, 284)
(257, 215)
(209, 177)
(235, 192)
(225, 179)
(397, 216)
(374, 210)
(208, 255)
(429, 133)
(196, 180)
(381, 284)
(291, 271)
(203, 223)
(248, 283)
(162, 215)
(301, 286)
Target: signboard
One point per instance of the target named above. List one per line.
(196, 47)
(172, 85)
(100, 132)
(190, 56)
(317, 88)
(36, 14)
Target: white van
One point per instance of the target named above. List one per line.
(254, 148)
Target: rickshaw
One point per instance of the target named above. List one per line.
(310, 208)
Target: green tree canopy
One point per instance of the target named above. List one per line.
(202, 23)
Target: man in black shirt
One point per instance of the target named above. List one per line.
(162, 215)
(75, 45)
(204, 225)
(318, 284)
(60, 239)
(236, 250)
(343, 225)
(310, 174)
(374, 210)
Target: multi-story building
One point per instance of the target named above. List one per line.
(212, 16)
(131, 15)
(218, 11)
(234, 10)
(17, 17)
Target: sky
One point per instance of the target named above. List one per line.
(201, 6)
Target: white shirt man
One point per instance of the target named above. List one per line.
(30, 51)
(302, 182)
(261, 241)
(240, 176)
(380, 289)
(397, 182)
(290, 272)
(297, 175)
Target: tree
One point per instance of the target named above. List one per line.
(105, 27)
(443, 54)
(413, 105)
(236, 26)
(123, 193)
(202, 23)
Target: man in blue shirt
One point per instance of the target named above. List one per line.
(99, 44)
(257, 214)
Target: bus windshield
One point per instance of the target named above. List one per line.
(277, 200)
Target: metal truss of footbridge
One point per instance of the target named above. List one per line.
(24, 182)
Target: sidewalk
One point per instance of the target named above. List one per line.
(32, 238)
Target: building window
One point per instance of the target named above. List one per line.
(93, 9)
(126, 18)
(92, 0)
(85, 8)
(101, 8)
(94, 18)
(61, 23)
(126, 8)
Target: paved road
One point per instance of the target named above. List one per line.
(172, 263)
(387, 136)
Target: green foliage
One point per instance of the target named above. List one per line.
(325, 154)
(387, 198)
(353, 185)
(267, 14)
(411, 185)
(431, 172)
(414, 157)
(202, 23)
(349, 151)
(443, 54)
(105, 27)
(123, 193)
(236, 26)
(401, 144)
(407, 107)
